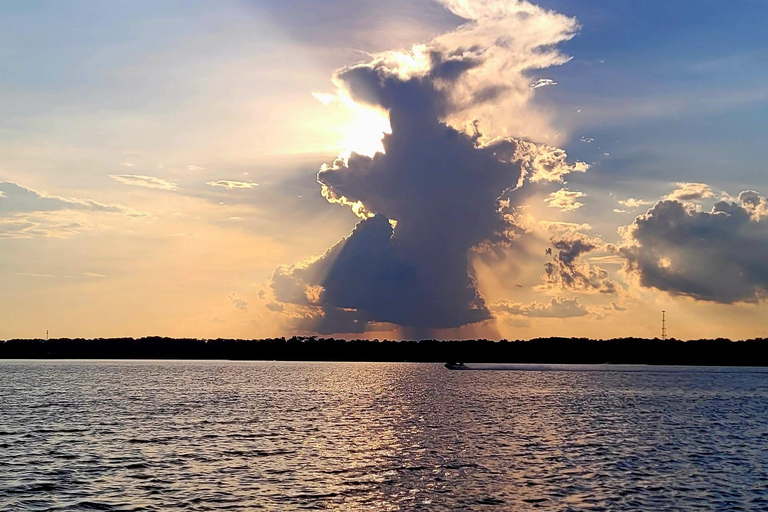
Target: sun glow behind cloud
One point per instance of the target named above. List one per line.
(364, 135)
(364, 128)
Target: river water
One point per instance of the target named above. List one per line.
(164, 435)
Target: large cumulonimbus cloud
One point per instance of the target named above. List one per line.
(437, 191)
(719, 255)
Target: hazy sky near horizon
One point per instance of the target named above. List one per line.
(159, 161)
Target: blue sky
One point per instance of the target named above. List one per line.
(690, 75)
(99, 100)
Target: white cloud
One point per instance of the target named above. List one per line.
(486, 64)
(542, 82)
(565, 200)
(634, 203)
(754, 203)
(231, 184)
(690, 192)
(561, 227)
(139, 180)
(545, 163)
(15, 198)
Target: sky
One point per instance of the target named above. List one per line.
(383, 169)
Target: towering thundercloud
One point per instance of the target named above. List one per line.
(444, 185)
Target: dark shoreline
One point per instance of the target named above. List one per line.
(705, 352)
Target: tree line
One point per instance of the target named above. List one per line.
(720, 351)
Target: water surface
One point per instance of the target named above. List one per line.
(160, 435)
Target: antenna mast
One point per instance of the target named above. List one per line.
(663, 325)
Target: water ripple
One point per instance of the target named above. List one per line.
(125, 436)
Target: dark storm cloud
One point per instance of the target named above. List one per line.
(422, 95)
(435, 194)
(569, 271)
(442, 190)
(330, 320)
(719, 256)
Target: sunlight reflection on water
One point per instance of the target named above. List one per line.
(360, 436)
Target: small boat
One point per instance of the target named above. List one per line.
(456, 366)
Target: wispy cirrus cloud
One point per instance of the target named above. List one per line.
(33, 274)
(542, 82)
(232, 184)
(43, 224)
(140, 180)
(28, 213)
(15, 198)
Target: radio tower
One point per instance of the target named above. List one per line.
(663, 325)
